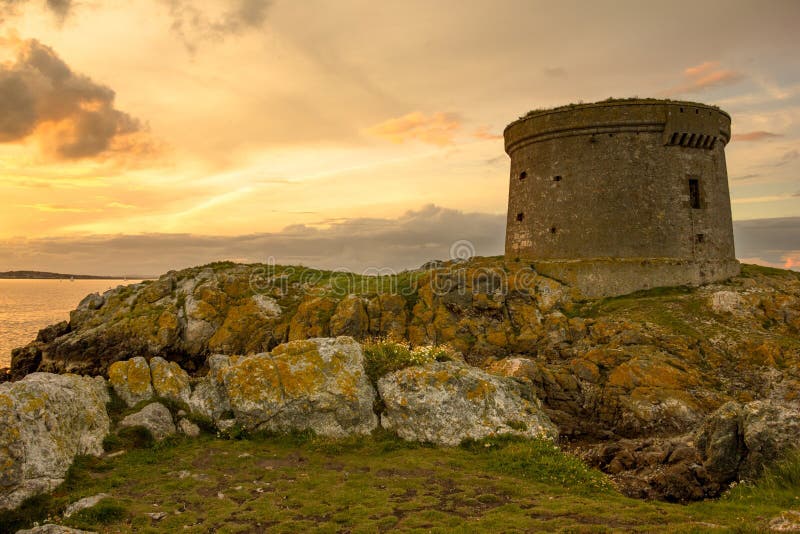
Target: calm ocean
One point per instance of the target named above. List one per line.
(26, 306)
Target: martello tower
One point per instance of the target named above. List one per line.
(621, 195)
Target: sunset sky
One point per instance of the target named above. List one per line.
(141, 136)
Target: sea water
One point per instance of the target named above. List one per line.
(27, 306)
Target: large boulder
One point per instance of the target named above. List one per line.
(318, 385)
(131, 380)
(448, 402)
(738, 440)
(155, 417)
(169, 380)
(46, 421)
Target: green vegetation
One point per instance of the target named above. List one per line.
(385, 356)
(753, 271)
(379, 483)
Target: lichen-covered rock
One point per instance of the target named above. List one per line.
(45, 421)
(169, 380)
(209, 397)
(350, 318)
(155, 417)
(317, 384)
(312, 318)
(448, 402)
(131, 380)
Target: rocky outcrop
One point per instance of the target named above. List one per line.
(649, 366)
(317, 385)
(46, 421)
(733, 443)
(155, 417)
(448, 402)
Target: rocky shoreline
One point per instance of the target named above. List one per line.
(675, 393)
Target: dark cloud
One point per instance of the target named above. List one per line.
(193, 24)
(70, 115)
(353, 244)
(60, 8)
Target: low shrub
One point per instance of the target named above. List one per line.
(384, 356)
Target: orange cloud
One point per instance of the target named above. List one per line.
(705, 75)
(755, 136)
(791, 260)
(482, 132)
(436, 129)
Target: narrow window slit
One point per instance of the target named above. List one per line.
(694, 193)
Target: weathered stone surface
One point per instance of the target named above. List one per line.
(83, 504)
(169, 380)
(46, 421)
(53, 529)
(350, 318)
(317, 384)
(155, 417)
(187, 428)
(312, 319)
(209, 398)
(131, 380)
(448, 402)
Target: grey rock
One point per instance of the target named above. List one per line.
(448, 402)
(188, 428)
(155, 417)
(83, 504)
(46, 421)
(210, 398)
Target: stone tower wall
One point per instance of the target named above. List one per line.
(619, 196)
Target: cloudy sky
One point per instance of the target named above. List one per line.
(141, 136)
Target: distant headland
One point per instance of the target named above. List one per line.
(41, 275)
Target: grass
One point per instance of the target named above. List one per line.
(378, 483)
